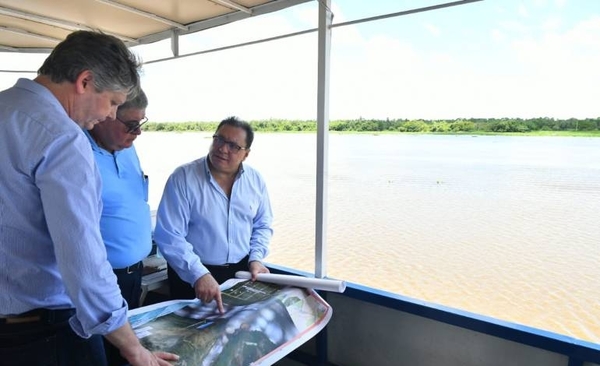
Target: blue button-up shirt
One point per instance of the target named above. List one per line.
(51, 252)
(197, 223)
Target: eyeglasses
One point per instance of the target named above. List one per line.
(220, 141)
(133, 126)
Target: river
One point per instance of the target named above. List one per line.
(505, 226)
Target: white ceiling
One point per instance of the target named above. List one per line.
(38, 25)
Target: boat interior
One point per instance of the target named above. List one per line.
(369, 326)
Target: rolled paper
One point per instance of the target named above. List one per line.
(297, 281)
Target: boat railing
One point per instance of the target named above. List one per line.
(408, 331)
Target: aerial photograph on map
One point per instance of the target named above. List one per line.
(257, 320)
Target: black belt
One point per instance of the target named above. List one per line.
(227, 265)
(46, 316)
(129, 270)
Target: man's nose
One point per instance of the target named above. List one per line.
(113, 113)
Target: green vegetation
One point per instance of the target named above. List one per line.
(516, 126)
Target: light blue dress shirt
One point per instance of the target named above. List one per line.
(51, 252)
(196, 223)
(125, 224)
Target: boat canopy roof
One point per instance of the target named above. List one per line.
(37, 26)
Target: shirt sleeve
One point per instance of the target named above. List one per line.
(171, 229)
(262, 230)
(69, 186)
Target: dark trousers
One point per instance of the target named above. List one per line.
(130, 283)
(48, 342)
(179, 289)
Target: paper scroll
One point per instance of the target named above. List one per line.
(298, 281)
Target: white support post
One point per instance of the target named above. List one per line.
(175, 42)
(324, 44)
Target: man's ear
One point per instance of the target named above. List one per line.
(84, 81)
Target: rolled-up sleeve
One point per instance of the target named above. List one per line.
(172, 220)
(262, 230)
(69, 185)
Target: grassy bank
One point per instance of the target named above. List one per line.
(504, 126)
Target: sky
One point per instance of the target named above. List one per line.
(490, 59)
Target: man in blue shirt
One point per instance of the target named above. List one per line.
(125, 223)
(214, 218)
(58, 293)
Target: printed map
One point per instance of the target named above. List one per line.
(262, 323)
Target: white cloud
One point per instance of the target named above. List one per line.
(551, 24)
(498, 35)
(522, 11)
(526, 69)
(560, 3)
(559, 71)
(435, 31)
(514, 26)
(383, 76)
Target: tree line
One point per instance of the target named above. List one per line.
(472, 125)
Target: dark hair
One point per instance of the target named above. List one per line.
(236, 122)
(114, 67)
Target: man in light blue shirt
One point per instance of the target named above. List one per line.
(214, 218)
(125, 223)
(58, 293)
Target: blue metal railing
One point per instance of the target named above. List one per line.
(578, 351)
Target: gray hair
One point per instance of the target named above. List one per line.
(137, 100)
(114, 67)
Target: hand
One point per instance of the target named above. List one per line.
(132, 350)
(143, 357)
(257, 267)
(207, 289)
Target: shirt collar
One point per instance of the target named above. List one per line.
(94, 144)
(207, 169)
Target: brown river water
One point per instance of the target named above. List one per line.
(496, 225)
